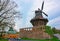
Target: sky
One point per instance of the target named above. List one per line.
(27, 8)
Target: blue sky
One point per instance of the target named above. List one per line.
(27, 8)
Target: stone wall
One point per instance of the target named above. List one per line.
(34, 33)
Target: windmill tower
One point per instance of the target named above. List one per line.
(38, 29)
(39, 20)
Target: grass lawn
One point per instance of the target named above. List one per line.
(53, 39)
(3, 39)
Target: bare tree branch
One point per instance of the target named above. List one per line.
(7, 13)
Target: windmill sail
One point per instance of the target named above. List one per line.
(42, 6)
(45, 14)
(39, 12)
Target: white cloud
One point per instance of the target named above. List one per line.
(25, 1)
(55, 22)
(36, 4)
(49, 5)
(58, 27)
(18, 24)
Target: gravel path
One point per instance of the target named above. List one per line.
(57, 35)
(26, 40)
(18, 40)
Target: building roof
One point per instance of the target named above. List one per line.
(11, 31)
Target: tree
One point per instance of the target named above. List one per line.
(8, 13)
(48, 30)
(54, 30)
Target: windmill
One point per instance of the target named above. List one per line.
(39, 12)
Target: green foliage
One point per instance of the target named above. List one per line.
(48, 30)
(55, 31)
